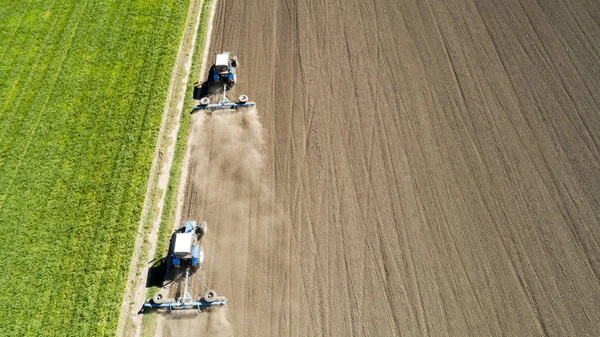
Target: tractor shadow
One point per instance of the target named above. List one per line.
(161, 272)
(157, 273)
(208, 87)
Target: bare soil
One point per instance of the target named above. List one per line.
(416, 167)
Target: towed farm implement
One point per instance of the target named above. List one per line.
(185, 302)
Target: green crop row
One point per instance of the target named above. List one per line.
(82, 91)
(170, 198)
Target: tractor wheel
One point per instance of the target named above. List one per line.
(234, 61)
(243, 99)
(202, 229)
(210, 296)
(204, 101)
(197, 91)
(158, 298)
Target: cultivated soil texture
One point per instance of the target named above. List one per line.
(413, 167)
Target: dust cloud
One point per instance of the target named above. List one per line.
(236, 146)
(212, 323)
(226, 186)
(228, 158)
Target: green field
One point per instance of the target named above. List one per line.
(82, 91)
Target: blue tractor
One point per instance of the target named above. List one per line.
(186, 250)
(221, 79)
(185, 253)
(224, 70)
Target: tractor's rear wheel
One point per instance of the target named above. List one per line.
(234, 61)
(210, 296)
(197, 91)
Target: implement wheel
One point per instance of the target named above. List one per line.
(158, 298)
(210, 296)
(204, 101)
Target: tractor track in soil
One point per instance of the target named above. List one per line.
(423, 168)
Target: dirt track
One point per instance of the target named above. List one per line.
(428, 168)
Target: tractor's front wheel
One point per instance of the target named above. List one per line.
(202, 229)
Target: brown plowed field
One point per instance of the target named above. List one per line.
(423, 168)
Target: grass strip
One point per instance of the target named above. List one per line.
(82, 89)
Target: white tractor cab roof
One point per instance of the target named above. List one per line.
(183, 244)
(222, 63)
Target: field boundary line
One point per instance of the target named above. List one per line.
(145, 243)
(186, 158)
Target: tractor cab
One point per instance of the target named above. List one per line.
(224, 70)
(186, 249)
(222, 64)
